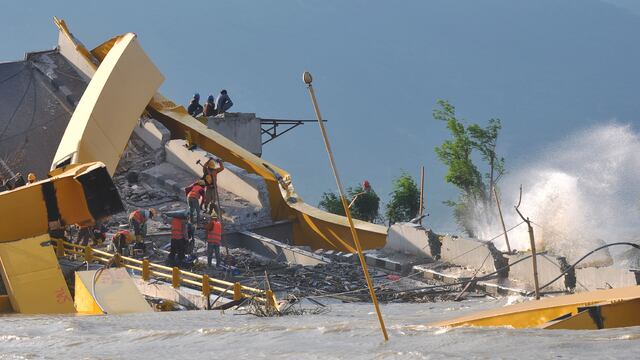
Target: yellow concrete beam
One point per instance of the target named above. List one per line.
(33, 278)
(110, 107)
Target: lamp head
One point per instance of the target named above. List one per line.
(306, 77)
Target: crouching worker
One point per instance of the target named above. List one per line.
(121, 241)
(138, 224)
(214, 239)
(178, 237)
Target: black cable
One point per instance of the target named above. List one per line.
(14, 75)
(582, 258)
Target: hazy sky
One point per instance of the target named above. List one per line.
(547, 68)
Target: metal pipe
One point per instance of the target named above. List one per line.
(307, 79)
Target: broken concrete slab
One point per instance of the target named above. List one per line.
(605, 278)
(472, 254)
(153, 133)
(549, 267)
(274, 249)
(184, 296)
(413, 239)
(241, 128)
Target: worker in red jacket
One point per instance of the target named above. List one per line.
(214, 239)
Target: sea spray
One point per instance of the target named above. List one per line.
(579, 193)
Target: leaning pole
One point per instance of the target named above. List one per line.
(306, 77)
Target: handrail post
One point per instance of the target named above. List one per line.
(59, 248)
(206, 288)
(271, 299)
(146, 271)
(88, 254)
(237, 291)
(175, 277)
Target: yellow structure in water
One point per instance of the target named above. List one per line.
(33, 278)
(589, 310)
(108, 291)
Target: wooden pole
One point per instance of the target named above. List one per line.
(421, 192)
(533, 247)
(307, 79)
(504, 228)
(534, 259)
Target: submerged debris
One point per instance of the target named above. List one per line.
(291, 306)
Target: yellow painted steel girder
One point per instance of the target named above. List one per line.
(110, 107)
(79, 195)
(32, 276)
(312, 227)
(115, 292)
(602, 316)
(545, 311)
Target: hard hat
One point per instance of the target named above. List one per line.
(153, 212)
(196, 96)
(223, 92)
(210, 98)
(201, 182)
(366, 186)
(214, 216)
(31, 177)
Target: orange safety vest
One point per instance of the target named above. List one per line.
(137, 216)
(177, 229)
(214, 235)
(195, 192)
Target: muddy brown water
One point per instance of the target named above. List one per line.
(348, 331)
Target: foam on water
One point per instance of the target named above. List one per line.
(348, 331)
(580, 192)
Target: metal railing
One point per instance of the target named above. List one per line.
(177, 277)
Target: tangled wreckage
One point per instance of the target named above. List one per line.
(71, 124)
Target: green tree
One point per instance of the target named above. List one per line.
(405, 199)
(365, 205)
(457, 154)
(330, 201)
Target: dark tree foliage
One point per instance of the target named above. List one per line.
(366, 204)
(405, 199)
(457, 154)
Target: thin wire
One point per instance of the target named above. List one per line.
(484, 244)
(15, 111)
(14, 75)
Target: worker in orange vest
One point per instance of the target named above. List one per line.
(178, 237)
(195, 199)
(121, 241)
(138, 225)
(214, 239)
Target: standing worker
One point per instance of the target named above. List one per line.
(210, 177)
(214, 239)
(121, 241)
(223, 102)
(138, 224)
(195, 199)
(178, 237)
